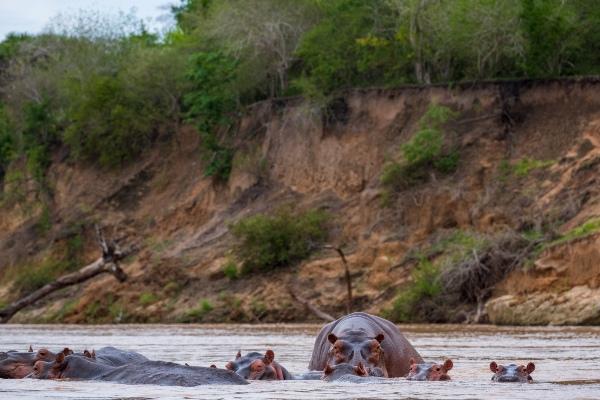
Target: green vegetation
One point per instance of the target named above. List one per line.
(67, 309)
(524, 166)
(589, 227)
(106, 88)
(521, 168)
(454, 275)
(266, 242)
(210, 101)
(424, 288)
(63, 258)
(230, 269)
(110, 309)
(422, 153)
(31, 277)
(147, 298)
(196, 314)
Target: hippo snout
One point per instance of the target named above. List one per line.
(506, 378)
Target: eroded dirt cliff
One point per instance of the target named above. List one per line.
(289, 152)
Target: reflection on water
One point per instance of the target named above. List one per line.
(567, 361)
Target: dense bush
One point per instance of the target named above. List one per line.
(266, 242)
(108, 124)
(455, 276)
(210, 102)
(7, 142)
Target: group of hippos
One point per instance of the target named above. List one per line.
(358, 348)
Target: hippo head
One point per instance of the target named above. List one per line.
(53, 369)
(256, 366)
(429, 371)
(332, 373)
(17, 365)
(355, 348)
(512, 372)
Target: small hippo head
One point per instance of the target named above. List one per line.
(256, 366)
(512, 372)
(335, 372)
(355, 348)
(429, 371)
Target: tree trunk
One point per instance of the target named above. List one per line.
(349, 299)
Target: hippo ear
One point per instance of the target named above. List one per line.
(30, 349)
(87, 354)
(380, 337)
(93, 354)
(328, 370)
(493, 366)
(269, 357)
(60, 358)
(448, 364)
(229, 366)
(332, 338)
(530, 367)
(360, 369)
(238, 355)
(411, 361)
(67, 351)
(59, 362)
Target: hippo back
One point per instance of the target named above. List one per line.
(398, 350)
(116, 357)
(171, 374)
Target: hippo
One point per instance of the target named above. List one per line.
(256, 366)
(360, 337)
(17, 365)
(429, 371)
(146, 372)
(512, 372)
(115, 357)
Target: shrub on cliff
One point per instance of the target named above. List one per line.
(266, 242)
(424, 152)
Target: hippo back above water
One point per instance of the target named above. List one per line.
(115, 357)
(363, 338)
(147, 372)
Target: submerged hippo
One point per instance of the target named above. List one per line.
(363, 338)
(256, 366)
(147, 372)
(512, 372)
(17, 365)
(429, 371)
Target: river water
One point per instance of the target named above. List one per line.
(567, 361)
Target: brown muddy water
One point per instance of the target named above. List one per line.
(567, 361)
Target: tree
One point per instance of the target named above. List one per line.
(262, 36)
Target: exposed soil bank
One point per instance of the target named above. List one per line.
(290, 152)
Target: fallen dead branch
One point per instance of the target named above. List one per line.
(107, 263)
(321, 314)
